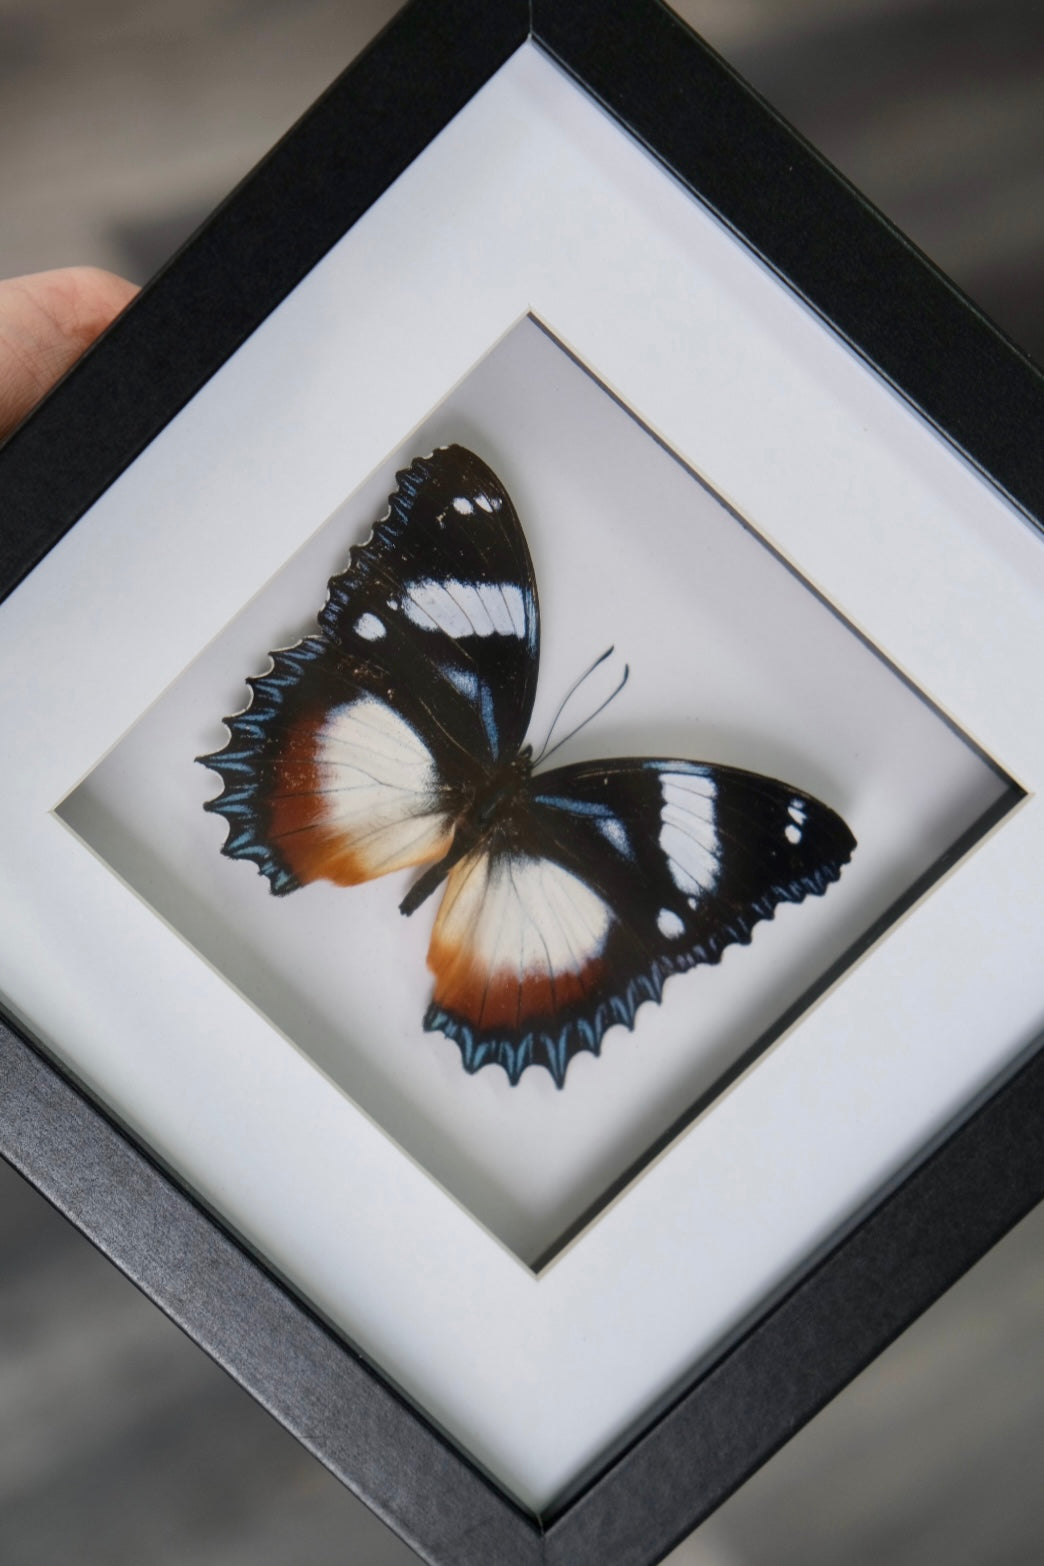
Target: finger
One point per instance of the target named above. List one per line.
(46, 322)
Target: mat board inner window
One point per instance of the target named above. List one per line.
(733, 660)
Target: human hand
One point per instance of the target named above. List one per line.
(46, 322)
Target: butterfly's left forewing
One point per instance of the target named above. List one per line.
(363, 744)
(443, 596)
(612, 877)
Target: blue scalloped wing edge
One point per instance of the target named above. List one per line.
(554, 1051)
(237, 763)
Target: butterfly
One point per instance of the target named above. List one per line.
(394, 737)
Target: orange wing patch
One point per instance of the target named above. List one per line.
(356, 796)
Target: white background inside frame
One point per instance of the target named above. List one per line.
(532, 199)
(732, 659)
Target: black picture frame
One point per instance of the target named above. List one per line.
(890, 305)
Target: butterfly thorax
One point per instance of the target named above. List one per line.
(491, 812)
(497, 804)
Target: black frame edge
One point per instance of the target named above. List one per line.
(825, 240)
(355, 141)
(943, 356)
(251, 1324)
(856, 1301)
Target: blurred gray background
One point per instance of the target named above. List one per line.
(121, 123)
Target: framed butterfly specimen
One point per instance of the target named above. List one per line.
(256, 1125)
(394, 738)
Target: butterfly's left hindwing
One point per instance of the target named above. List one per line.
(327, 775)
(609, 878)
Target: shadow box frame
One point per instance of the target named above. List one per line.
(953, 374)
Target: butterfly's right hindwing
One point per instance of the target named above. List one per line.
(618, 875)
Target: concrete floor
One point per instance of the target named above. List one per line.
(121, 123)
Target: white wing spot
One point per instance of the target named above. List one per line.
(668, 924)
(793, 833)
(483, 501)
(516, 604)
(613, 831)
(369, 628)
(463, 506)
(429, 605)
(465, 680)
(688, 835)
(466, 608)
(796, 811)
(497, 609)
(474, 599)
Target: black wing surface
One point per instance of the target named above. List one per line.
(616, 875)
(363, 744)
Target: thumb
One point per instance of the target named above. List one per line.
(46, 322)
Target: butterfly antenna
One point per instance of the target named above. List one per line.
(563, 704)
(585, 721)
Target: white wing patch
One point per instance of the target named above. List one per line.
(523, 914)
(466, 608)
(794, 830)
(688, 835)
(514, 938)
(379, 788)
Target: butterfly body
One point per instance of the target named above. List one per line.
(394, 738)
(489, 815)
